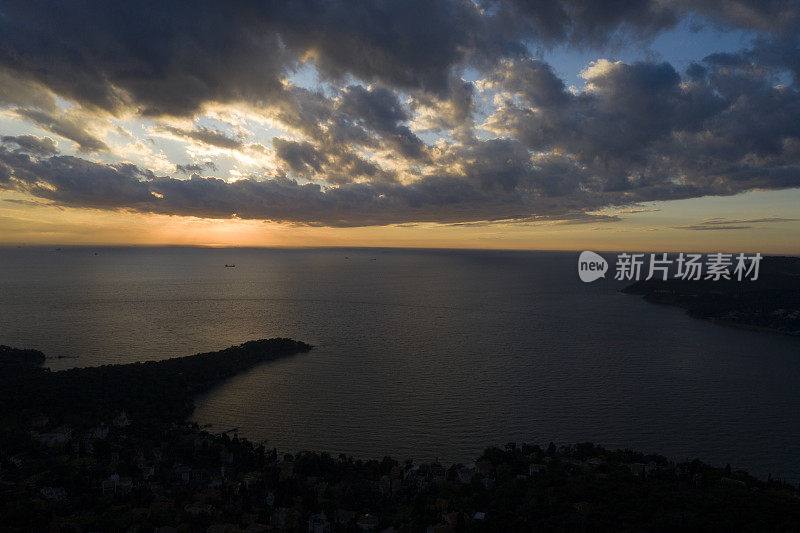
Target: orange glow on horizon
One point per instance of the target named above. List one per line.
(24, 222)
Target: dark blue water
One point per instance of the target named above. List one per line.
(420, 354)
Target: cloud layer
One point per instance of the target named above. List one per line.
(394, 133)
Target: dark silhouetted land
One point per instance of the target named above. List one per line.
(106, 449)
(771, 303)
(157, 390)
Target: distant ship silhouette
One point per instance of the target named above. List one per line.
(229, 266)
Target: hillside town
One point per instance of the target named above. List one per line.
(122, 477)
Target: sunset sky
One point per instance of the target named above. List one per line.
(641, 125)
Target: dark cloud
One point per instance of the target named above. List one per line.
(27, 203)
(721, 227)
(495, 179)
(157, 57)
(775, 17)
(75, 181)
(725, 224)
(532, 80)
(205, 136)
(71, 181)
(300, 156)
(778, 55)
(74, 128)
(172, 57)
(338, 129)
(639, 132)
(641, 128)
(454, 111)
(32, 144)
(196, 168)
(567, 219)
(414, 44)
(587, 23)
(379, 110)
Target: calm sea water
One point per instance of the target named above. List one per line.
(420, 354)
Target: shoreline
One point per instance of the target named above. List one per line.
(132, 460)
(769, 304)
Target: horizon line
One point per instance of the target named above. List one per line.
(367, 247)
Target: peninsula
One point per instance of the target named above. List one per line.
(770, 303)
(109, 449)
(154, 391)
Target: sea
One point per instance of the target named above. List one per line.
(419, 354)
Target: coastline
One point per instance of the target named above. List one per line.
(770, 304)
(149, 470)
(157, 390)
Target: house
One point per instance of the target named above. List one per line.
(198, 509)
(194, 475)
(484, 467)
(88, 445)
(318, 523)
(730, 482)
(465, 474)
(367, 522)
(226, 457)
(234, 486)
(385, 486)
(582, 507)
(279, 519)
(108, 487)
(535, 468)
(223, 528)
(451, 519)
(251, 478)
(438, 474)
(148, 471)
(125, 484)
(122, 420)
(100, 432)
(594, 462)
(641, 468)
(184, 473)
(39, 421)
(6, 487)
(202, 443)
(344, 517)
(53, 494)
(58, 436)
(287, 469)
(18, 460)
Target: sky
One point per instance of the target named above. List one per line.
(559, 125)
